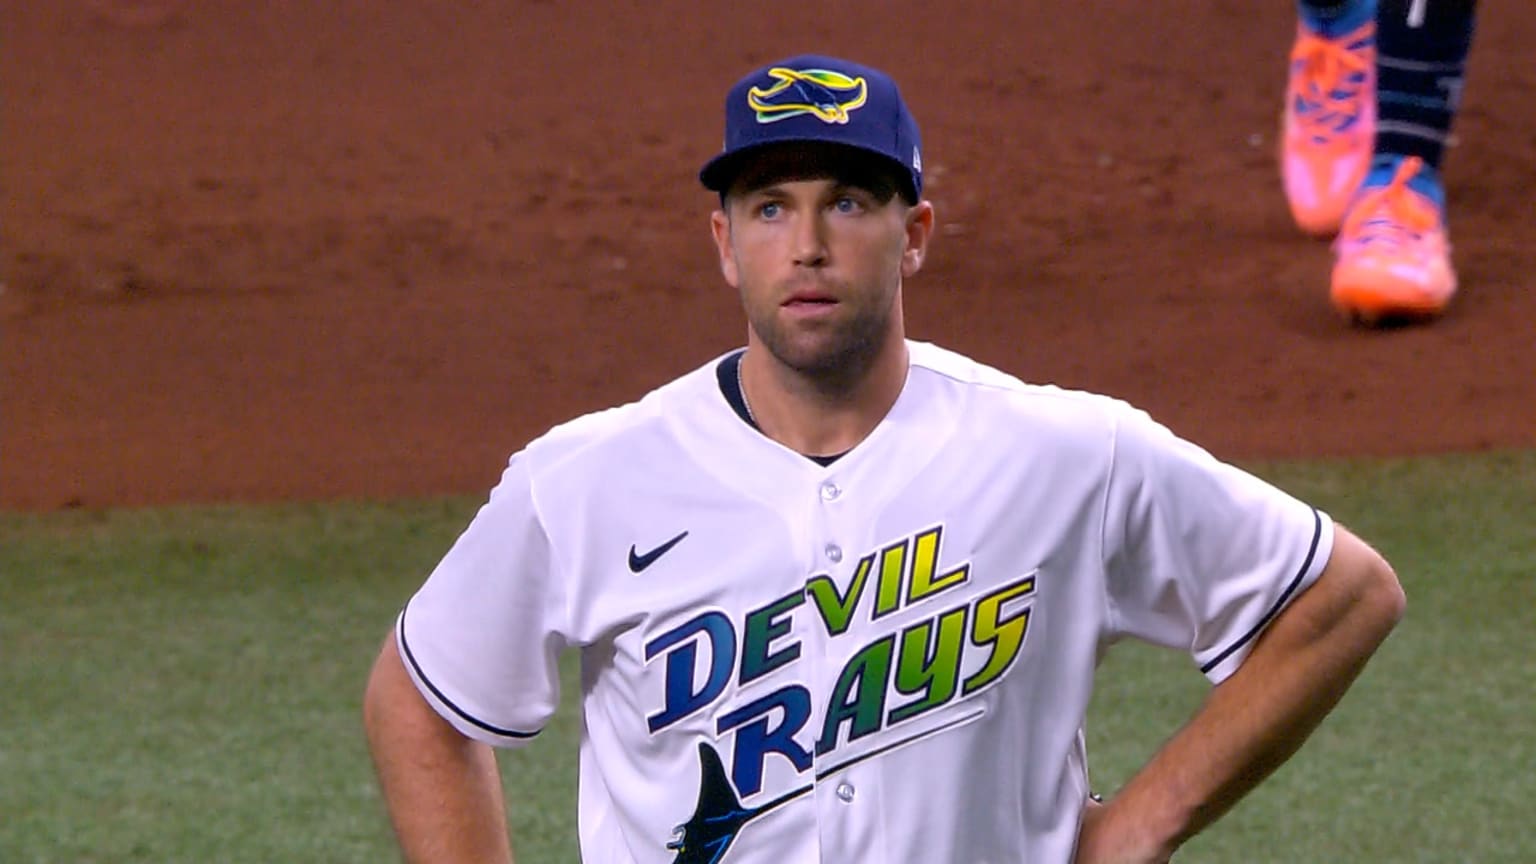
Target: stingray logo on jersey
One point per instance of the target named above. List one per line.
(921, 662)
(823, 93)
(719, 816)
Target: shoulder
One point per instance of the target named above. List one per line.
(998, 396)
(624, 429)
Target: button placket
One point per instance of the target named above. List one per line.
(830, 491)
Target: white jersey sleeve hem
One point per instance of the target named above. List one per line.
(482, 635)
(465, 722)
(1226, 661)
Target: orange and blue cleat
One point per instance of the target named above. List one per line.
(1329, 124)
(1392, 257)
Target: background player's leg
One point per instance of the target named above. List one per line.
(1394, 255)
(1329, 118)
(1422, 49)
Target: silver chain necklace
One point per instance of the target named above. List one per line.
(741, 388)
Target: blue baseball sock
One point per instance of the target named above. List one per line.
(1426, 182)
(1421, 63)
(1335, 18)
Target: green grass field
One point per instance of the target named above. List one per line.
(182, 685)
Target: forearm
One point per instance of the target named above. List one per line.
(1256, 719)
(443, 790)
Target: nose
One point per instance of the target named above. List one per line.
(810, 241)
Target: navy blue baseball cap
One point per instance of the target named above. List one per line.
(816, 98)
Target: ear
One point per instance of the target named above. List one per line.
(919, 232)
(720, 227)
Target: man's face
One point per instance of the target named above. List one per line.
(817, 242)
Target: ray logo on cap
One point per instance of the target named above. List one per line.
(824, 93)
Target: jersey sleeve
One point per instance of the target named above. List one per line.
(481, 637)
(1201, 555)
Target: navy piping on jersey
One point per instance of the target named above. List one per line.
(468, 718)
(730, 387)
(1285, 596)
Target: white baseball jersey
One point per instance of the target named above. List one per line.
(887, 658)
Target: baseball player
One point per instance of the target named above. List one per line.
(840, 595)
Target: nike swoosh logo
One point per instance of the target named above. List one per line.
(638, 562)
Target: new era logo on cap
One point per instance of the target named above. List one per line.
(815, 98)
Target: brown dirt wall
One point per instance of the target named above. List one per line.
(293, 250)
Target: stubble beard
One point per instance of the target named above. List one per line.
(833, 357)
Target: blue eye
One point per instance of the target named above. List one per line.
(768, 210)
(847, 204)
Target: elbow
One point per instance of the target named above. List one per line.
(1380, 596)
(1394, 598)
(1363, 591)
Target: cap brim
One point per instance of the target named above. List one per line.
(719, 173)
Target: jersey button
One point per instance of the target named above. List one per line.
(845, 792)
(834, 552)
(830, 491)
